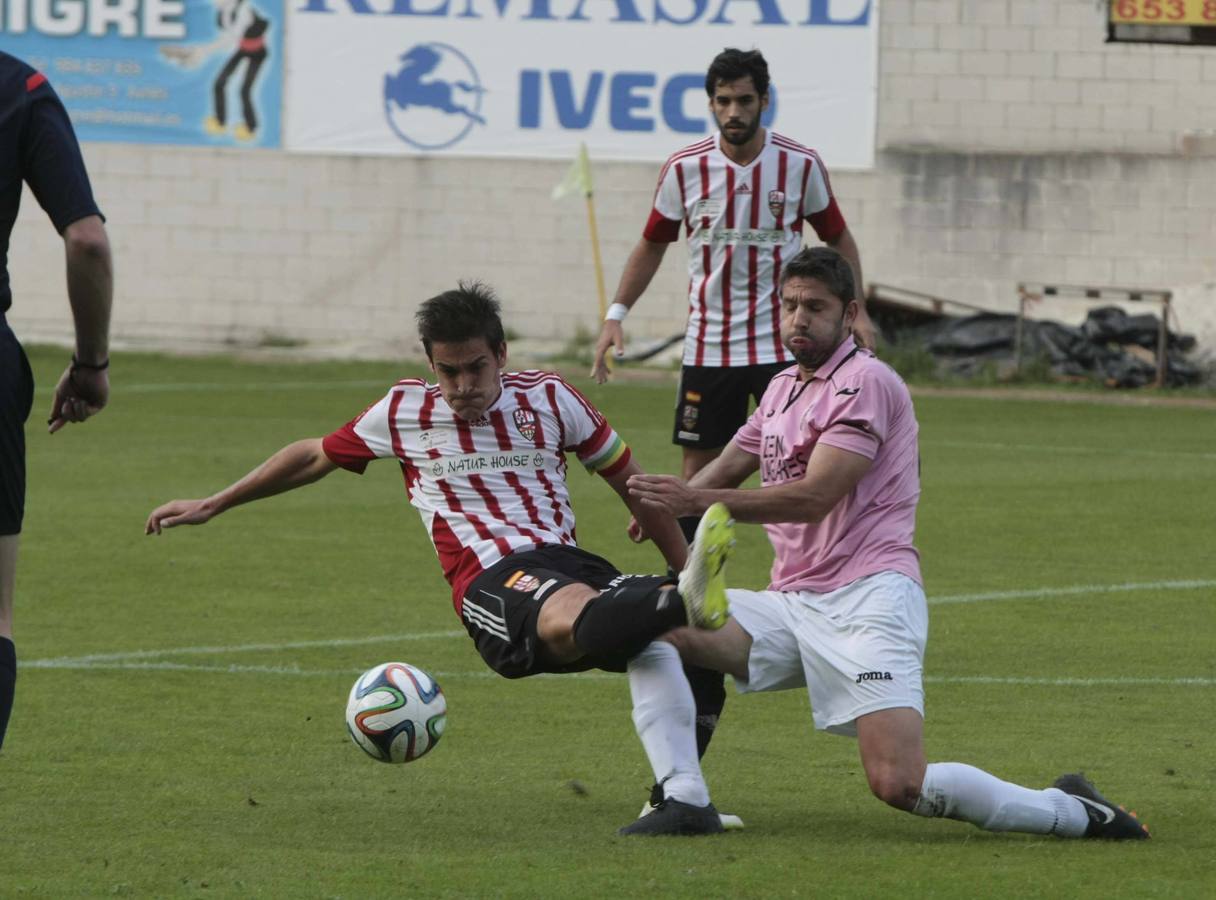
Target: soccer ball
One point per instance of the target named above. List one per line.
(396, 712)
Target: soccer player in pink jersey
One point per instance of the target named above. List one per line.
(835, 441)
(742, 196)
(483, 455)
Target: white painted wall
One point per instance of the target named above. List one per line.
(1013, 145)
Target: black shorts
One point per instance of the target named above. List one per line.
(502, 604)
(711, 403)
(16, 398)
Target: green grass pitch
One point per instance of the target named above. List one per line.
(179, 732)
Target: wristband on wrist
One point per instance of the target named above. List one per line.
(77, 364)
(616, 313)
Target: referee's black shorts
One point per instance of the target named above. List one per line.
(16, 398)
(501, 606)
(711, 404)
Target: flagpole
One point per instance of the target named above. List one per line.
(584, 164)
(579, 176)
(595, 255)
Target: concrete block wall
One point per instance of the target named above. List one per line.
(1034, 76)
(1013, 145)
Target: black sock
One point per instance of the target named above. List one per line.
(620, 622)
(8, 682)
(709, 692)
(688, 525)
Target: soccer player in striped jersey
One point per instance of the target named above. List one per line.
(483, 454)
(742, 196)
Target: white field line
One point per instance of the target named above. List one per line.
(153, 659)
(165, 666)
(1048, 448)
(1073, 591)
(238, 648)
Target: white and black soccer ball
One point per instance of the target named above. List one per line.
(396, 712)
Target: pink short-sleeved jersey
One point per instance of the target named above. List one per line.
(856, 403)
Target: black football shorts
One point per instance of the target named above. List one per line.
(711, 403)
(501, 606)
(16, 398)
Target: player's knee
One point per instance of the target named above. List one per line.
(894, 786)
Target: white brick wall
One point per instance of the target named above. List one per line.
(1004, 42)
(1014, 145)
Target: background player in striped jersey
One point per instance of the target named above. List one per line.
(742, 196)
(483, 454)
(38, 147)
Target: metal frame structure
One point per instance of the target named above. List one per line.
(1031, 292)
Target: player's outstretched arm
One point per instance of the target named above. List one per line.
(639, 271)
(831, 474)
(655, 523)
(294, 466)
(677, 497)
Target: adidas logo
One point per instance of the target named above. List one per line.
(743, 189)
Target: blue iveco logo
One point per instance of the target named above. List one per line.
(434, 98)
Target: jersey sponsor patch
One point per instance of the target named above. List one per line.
(747, 237)
(478, 463)
(434, 438)
(710, 208)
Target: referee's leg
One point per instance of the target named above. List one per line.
(8, 653)
(15, 404)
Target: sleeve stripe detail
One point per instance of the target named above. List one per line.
(660, 229)
(592, 413)
(621, 462)
(34, 82)
(702, 146)
(608, 455)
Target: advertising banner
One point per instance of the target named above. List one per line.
(157, 71)
(534, 78)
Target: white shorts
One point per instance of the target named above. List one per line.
(857, 649)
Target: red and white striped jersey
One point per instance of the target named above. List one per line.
(488, 488)
(741, 222)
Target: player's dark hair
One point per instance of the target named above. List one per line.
(453, 317)
(732, 64)
(825, 265)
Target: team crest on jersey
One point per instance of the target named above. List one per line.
(522, 582)
(776, 203)
(525, 423)
(688, 417)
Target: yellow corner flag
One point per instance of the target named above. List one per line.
(578, 176)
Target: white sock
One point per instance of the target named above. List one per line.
(958, 791)
(664, 714)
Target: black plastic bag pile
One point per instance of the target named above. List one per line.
(1111, 346)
